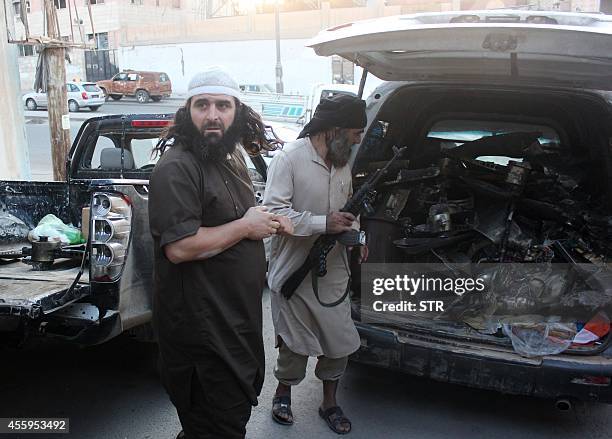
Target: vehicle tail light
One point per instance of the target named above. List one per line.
(592, 380)
(84, 95)
(151, 123)
(110, 227)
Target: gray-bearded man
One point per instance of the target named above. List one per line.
(309, 182)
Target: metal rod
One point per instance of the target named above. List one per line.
(93, 31)
(362, 82)
(76, 12)
(279, 67)
(23, 16)
(71, 22)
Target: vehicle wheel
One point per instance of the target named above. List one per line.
(95, 107)
(31, 104)
(116, 97)
(73, 107)
(156, 98)
(142, 96)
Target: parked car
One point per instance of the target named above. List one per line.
(322, 91)
(80, 95)
(257, 88)
(477, 97)
(139, 84)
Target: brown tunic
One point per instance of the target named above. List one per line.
(213, 304)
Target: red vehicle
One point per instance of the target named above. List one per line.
(142, 85)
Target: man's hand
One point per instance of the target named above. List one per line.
(259, 223)
(338, 222)
(363, 254)
(286, 226)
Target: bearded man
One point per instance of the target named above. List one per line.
(210, 263)
(309, 182)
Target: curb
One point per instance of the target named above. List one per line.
(73, 116)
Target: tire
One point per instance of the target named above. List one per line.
(95, 107)
(142, 96)
(31, 104)
(116, 97)
(156, 98)
(73, 106)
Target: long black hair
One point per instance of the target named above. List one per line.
(248, 126)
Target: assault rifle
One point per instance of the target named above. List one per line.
(317, 257)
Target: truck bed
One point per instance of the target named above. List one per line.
(24, 291)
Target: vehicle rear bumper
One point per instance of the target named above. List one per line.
(475, 365)
(93, 102)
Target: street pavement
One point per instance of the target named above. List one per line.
(113, 391)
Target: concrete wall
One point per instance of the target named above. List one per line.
(250, 62)
(14, 156)
(74, 70)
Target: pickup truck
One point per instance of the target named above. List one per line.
(88, 293)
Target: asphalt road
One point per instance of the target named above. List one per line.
(113, 391)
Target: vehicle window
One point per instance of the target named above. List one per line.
(457, 132)
(163, 77)
(91, 87)
(102, 142)
(132, 77)
(71, 87)
(120, 77)
(259, 182)
(142, 150)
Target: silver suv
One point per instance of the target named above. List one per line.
(506, 117)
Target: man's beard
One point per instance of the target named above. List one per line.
(214, 147)
(339, 150)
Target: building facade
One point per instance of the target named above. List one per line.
(182, 36)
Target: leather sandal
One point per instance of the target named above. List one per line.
(282, 405)
(334, 422)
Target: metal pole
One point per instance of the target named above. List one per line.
(279, 66)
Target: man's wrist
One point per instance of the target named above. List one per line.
(318, 224)
(244, 228)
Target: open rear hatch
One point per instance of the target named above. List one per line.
(558, 48)
(561, 50)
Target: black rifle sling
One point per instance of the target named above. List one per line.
(315, 288)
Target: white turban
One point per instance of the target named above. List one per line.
(214, 80)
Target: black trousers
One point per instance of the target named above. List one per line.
(209, 400)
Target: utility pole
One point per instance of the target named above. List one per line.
(279, 66)
(14, 157)
(59, 121)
